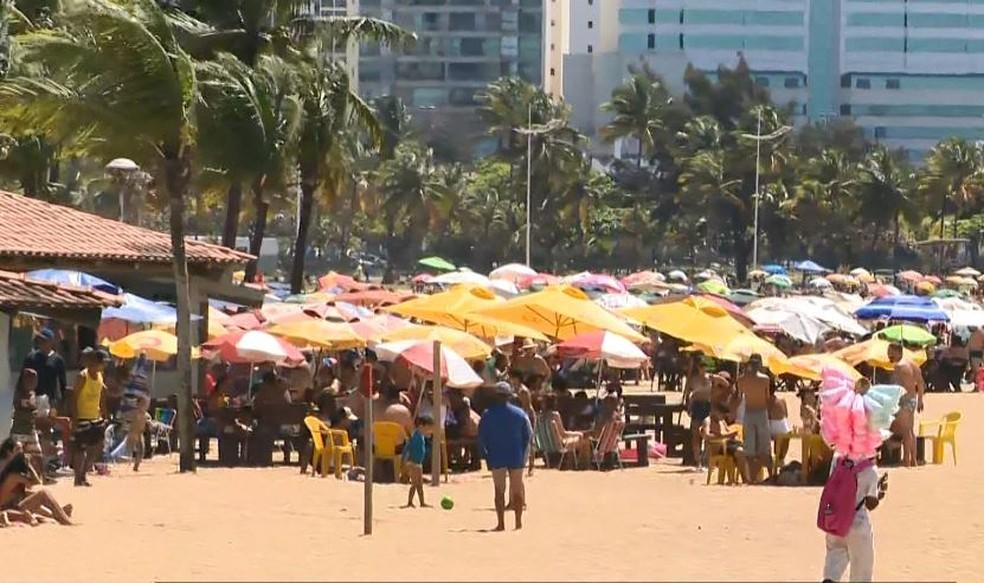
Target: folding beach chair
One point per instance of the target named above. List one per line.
(607, 442)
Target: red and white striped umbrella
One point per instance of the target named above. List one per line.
(253, 346)
(420, 353)
(617, 351)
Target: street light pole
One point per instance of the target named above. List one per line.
(529, 185)
(758, 156)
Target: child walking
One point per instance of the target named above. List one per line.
(413, 458)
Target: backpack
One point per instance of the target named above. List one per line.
(837, 502)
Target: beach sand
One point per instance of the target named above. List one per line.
(657, 523)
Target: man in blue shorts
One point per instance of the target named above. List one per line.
(504, 438)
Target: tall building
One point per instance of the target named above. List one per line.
(462, 46)
(907, 70)
(349, 53)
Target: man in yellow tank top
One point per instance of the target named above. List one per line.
(88, 412)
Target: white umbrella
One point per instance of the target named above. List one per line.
(504, 288)
(618, 301)
(820, 283)
(678, 275)
(860, 271)
(512, 272)
(420, 353)
(968, 272)
(798, 325)
(463, 276)
(124, 164)
(617, 351)
(825, 310)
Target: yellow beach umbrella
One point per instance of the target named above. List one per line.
(455, 309)
(561, 312)
(692, 319)
(215, 329)
(319, 334)
(875, 353)
(468, 346)
(740, 347)
(158, 345)
(810, 366)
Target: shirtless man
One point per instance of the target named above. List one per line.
(975, 348)
(908, 376)
(754, 385)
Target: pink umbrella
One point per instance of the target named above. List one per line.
(513, 272)
(598, 281)
(422, 278)
(420, 353)
(245, 321)
(617, 351)
(540, 279)
(932, 279)
(253, 346)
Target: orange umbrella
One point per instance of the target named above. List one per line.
(374, 297)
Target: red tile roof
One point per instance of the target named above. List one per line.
(18, 292)
(39, 229)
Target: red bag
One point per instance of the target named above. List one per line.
(837, 502)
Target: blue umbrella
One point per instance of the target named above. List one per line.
(773, 269)
(909, 308)
(76, 278)
(141, 311)
(810, 267)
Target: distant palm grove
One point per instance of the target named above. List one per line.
(243, 124)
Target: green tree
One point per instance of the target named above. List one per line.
(953, 176)
(638, 109)
(118, 82)
(883, 189)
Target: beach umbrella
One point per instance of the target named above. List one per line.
(559, 312)
(774, 269)
(319, 334)
(924, 288)
(932, 279)
(456, 307)
(437, 263)
(798, 325)
(820, 283)
(860, 272)
(420, 353)
(253, 346)
(538, 280)
(422, 278)
(907, 334)
(641, 279)
(374, 328)
(811, 366)
(141, 311)
(677, 275)
(597, 281)
(158, 345)
(713, 286)
(463, 276)
(619, 301)
(911, 276)
(757, 274)
(743, 297)
(373, 297)
(909, 308)
(512, 272)
(334, 280)
(692, 319)
(463, 343)
(780, 281)
(883, 290)
(74, 278)
(615, 350)
(741, 347)
(874, 352)
(967, 272)
(825, 310)
(504, 288)
(245, 321)
(704, 275)
(809, 266)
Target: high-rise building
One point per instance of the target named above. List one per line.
(907, 70)
(349, 53)
(462, 46)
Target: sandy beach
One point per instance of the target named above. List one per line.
(658, 523)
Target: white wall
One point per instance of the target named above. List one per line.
(6, 377)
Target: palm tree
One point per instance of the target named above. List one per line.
(954, 172)
(883, 184)
(118, 82)
(638, 107)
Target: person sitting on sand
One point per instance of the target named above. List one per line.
(715, 428)
(414, 455)
(18, 501)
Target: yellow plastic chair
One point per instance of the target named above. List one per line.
(341, 448)
(320, 454)
(946, 433)
(719, 459)
(386, 438)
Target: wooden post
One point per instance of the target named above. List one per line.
(437, 439)
(367, 438)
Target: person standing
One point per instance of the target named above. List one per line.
(88, 411)
(908, 376)
(754, 386)
(504, 434)
(134, 407)
(975, 350)
(50, 367)
(857, 547)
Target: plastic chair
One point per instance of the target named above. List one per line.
(386, 438)
(341, 448)
(719, 459)
(946, 433)
(165, 425)
(320, 455)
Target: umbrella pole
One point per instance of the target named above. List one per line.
(601, 369)
(367, 434)
(438, 396)
(153, 375)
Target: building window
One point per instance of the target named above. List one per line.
(590, 24)
(762, 81)
(892, 84)
(590, 49)
(652, 16)
(845, 109)
(552, 72)
(552, 46)
(791, 83)
(590, 2)
(863, 83)
(845, 81)
(880, 132)
(651, 41)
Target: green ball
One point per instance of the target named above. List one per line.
(447, 503)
